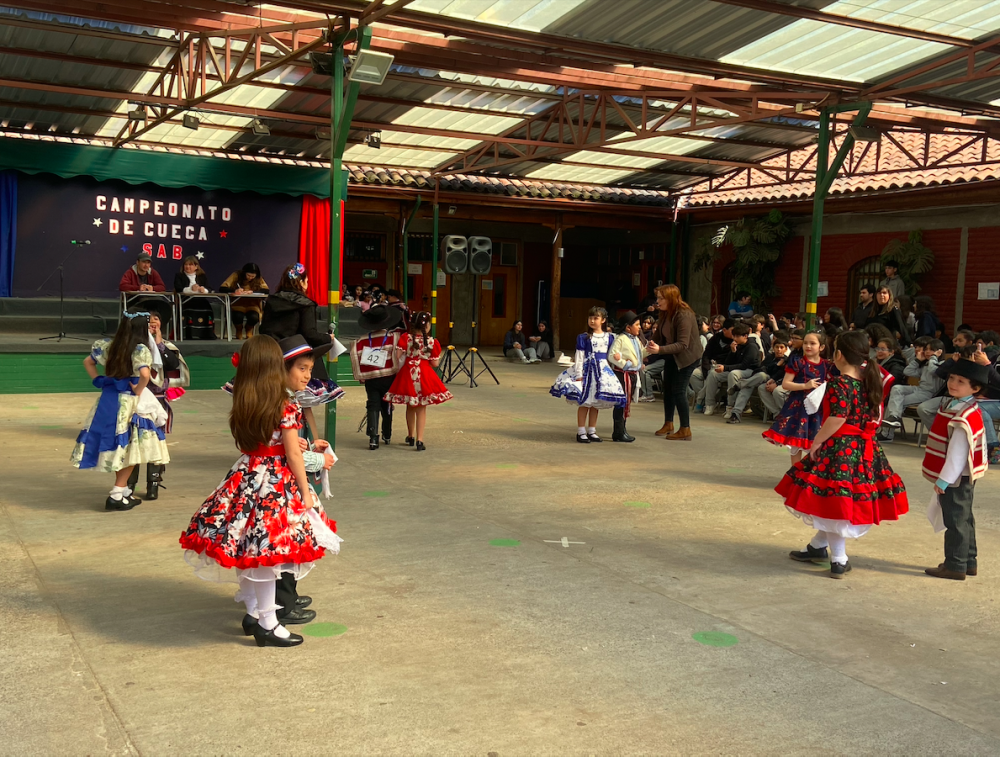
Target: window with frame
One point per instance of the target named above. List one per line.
(364, 248)
(867, 271)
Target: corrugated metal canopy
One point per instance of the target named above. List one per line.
(660, 94)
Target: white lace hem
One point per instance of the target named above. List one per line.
(840, 527)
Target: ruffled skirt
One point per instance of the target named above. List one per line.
(136, 435)
(599, 387)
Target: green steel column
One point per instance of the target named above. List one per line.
(341, 112)
(434, 270)
(826, 172)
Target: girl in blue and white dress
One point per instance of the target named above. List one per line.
(590, 383)
(126, 426)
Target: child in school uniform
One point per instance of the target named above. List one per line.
(925, 362)
(955, 459)
(625, 359)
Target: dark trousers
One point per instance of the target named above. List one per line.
(285, 593)
(960, 538)
(675, 386)
(376, 389)
(619, 412)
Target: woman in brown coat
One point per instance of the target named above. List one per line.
(676, 336)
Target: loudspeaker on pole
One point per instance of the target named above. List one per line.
(480, 255)
(455, 254)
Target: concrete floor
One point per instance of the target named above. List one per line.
(110, 646)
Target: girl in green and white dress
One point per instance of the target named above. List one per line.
(126, 425)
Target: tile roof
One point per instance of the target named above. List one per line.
(512, 187)
(894, 164)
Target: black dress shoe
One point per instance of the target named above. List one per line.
(582, 438)
(303, 602)
(385, 439)
(266, 638)
(810, 553)
(837, 570)
(421, 446)
(409, 441)
(297, 616)
(594, 438)
(373, 443)
(249, 623)
(125, 503)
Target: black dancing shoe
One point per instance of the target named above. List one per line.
(265, 638)
(594, 438)
(409, 441)
(385, 439)
(249, 623)
(810, 554)
(373, 443)
(583, 438)
(125, 503)
(623, 436)
(837, 570)
(303, 602)
(297, 616)
(421, 446)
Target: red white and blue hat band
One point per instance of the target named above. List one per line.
(302, 349)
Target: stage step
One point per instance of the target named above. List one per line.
(81, 325)
(74, 306)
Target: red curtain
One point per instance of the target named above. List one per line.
(314, 246)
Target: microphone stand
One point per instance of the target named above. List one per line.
(62, 328)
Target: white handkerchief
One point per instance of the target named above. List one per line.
(934, 514)
(338, 348)
(815, 399)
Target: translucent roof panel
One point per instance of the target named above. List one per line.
(838, 52)
(398, 156)
(529, 15)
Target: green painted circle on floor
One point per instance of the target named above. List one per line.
(29, 407)
(376, 494)
(715, 639)
(643, 505)
(322, 630)
(507, 466)
(50, 427)
(504, 543)
(735, 470)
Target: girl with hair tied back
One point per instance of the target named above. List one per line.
(845, 485)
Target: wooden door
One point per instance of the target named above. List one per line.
(420, 298)
(497, 304)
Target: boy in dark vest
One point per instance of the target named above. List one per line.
(955, 458)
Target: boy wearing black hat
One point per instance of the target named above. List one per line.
(625, 357)
(954, 459)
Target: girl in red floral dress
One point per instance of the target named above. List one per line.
(845, 485)
(417, 385)
(263, 520)
(795, 427)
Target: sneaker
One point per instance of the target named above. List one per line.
(810, 554)
(699, 408)
(734, 419)
(894, 422)
(886, 436)
(709, 409)
(728, 413)
(837, 570)
(995, 456)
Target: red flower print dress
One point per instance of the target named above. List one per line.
(794, 427)
(417, 383)
(850, 486)
(257, 520)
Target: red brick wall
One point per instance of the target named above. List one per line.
(983, 264)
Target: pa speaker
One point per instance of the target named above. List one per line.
(480, 255)
(455, 254)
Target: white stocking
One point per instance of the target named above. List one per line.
(819, 541)
(266, 608)
(838, 548)
(247, 595)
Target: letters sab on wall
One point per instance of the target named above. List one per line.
(223, 229)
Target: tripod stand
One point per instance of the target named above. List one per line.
(62, 328)
(451, 369)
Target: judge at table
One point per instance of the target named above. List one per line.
(199, 320)
(142, 278)
(248, 310)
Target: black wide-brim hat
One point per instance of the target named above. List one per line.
(976, 373)
(380, 318)
(296, 346)
(628, 319)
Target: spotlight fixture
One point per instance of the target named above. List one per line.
(190, 122)
(865, 134)
(259, 128)
(374, 140)
(323, 134)
(138, 113)
(369, 67)
(452, 210)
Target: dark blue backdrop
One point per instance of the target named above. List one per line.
(52, 211)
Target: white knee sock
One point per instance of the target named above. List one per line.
(819, 541)
(247, 595)
(838, 548)
(266, 608)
